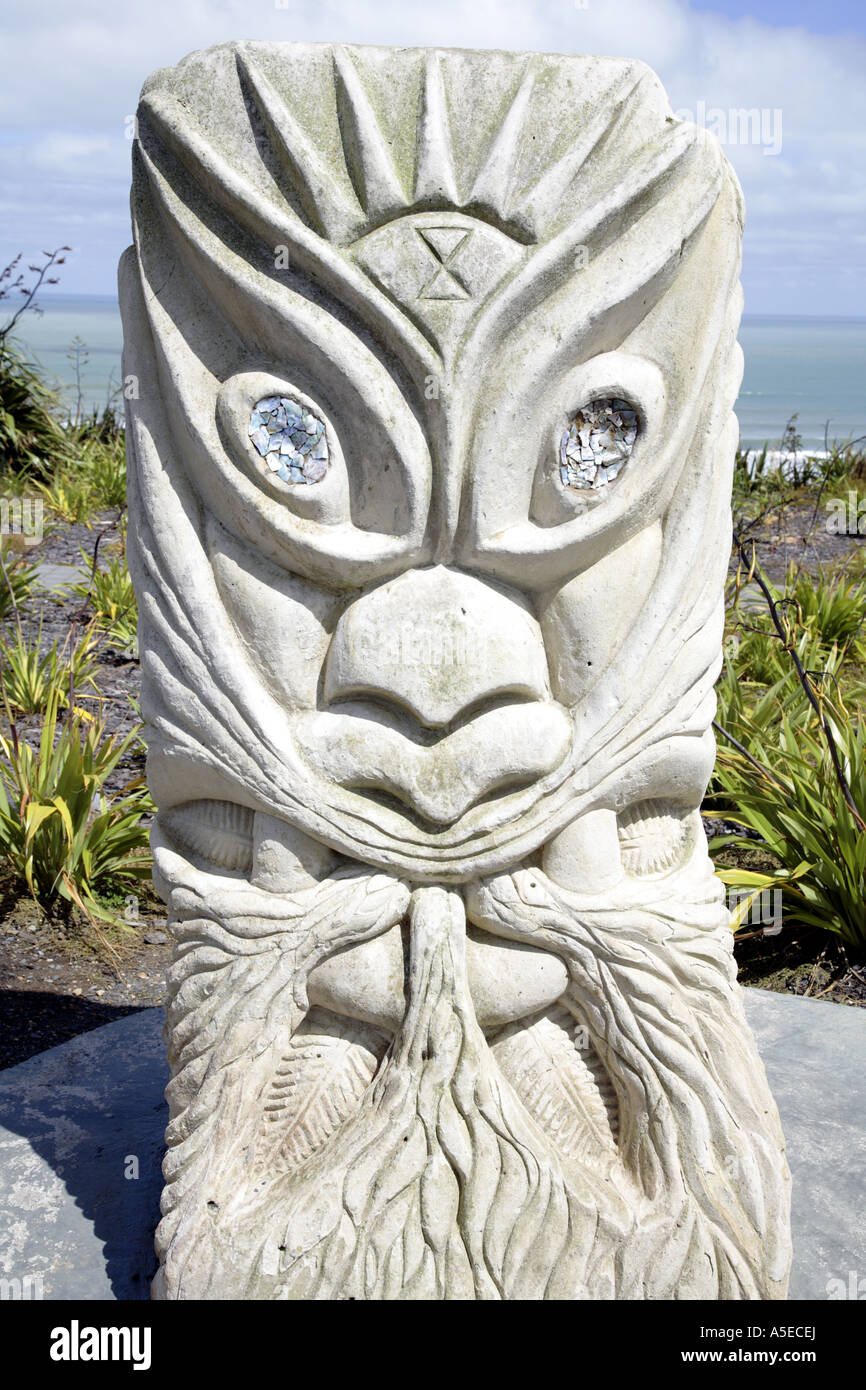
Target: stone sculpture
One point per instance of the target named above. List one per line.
(432, 359)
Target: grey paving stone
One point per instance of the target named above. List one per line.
(72, 1119)
(54, 576)
(78, 1121)
(815, 1055)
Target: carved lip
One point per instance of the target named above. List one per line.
(507, 980)
(378, 830)
(500, 750)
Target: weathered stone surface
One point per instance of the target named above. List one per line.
(430, 466)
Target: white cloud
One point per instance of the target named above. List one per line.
(811, 195)
(61, 150)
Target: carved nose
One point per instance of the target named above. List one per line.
(438, 643)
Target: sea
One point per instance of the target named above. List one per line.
(813, 369)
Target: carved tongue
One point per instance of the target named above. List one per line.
(443, 1047)
(438, 986)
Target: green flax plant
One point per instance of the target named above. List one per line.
(792, 759)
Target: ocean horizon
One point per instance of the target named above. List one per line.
(814, 368)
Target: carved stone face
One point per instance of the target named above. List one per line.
(430, 474)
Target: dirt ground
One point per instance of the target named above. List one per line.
(56, 982)
(796, 536)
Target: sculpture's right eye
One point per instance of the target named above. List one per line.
(290, 438)
(597, 443)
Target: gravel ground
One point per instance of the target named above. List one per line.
(63, 619)
(791, 535)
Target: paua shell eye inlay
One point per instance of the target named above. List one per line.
(290, 438)
(597, 443)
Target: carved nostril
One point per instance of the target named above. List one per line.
(438, 643)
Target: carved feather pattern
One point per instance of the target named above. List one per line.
(654, 836)
(320, 1082)
(557, 1085)
(218, 832)
(604, 1086)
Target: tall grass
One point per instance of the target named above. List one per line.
(61, 834)
(791, 765)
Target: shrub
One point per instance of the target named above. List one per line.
(31, 677)
(103, 461)
(17, 578)
(833, 609)
(791, 765)
(795, 802)
(111, 597)
(822, 613)
(69, 493)
(31, 437)
(61, 835)
(91, 479)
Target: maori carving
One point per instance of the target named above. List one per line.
(430, 467)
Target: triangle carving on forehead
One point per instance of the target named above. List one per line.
(446, 281)
(444, 241)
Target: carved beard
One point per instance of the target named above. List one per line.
(461, 1166)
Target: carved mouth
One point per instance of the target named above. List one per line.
(507, 980)
(500, 750)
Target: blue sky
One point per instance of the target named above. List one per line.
(71, 76)
(837, 17)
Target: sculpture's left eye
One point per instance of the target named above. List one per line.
(290, 438)
(597, 443)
